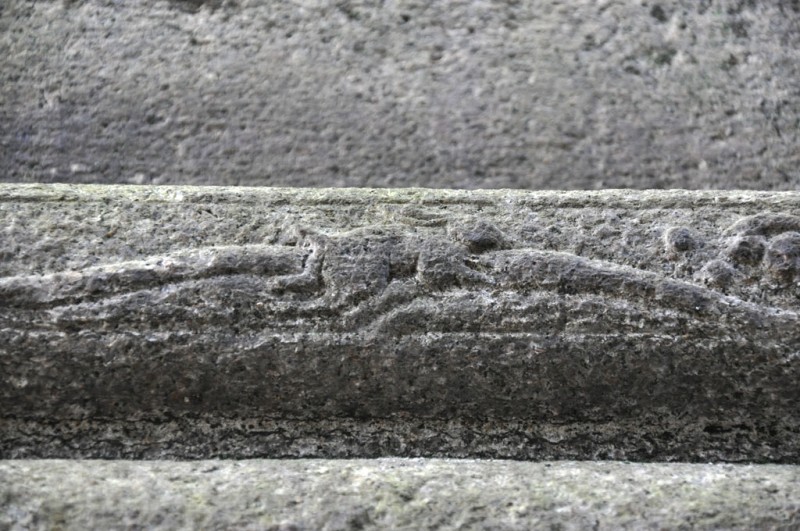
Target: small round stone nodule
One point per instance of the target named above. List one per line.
(747, 250)
(782, 257)
(679, 239)
(717, 274)
(480, 237)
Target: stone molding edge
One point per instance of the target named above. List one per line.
(396, 494)
(58, 192)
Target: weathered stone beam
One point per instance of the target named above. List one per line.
(395, 494)
(207, 322)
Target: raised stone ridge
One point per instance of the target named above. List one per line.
(300, 494)
(242, 322)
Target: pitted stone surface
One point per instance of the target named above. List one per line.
(395, 494)
(207, 322)
(459, 94)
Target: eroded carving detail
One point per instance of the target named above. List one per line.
(383, 280)
(679, 240)
(766, 250)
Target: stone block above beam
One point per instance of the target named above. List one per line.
(466, 94)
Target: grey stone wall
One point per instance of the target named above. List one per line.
(466, 94)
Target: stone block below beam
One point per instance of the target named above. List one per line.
(395, 494)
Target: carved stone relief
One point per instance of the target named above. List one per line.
(558, 312)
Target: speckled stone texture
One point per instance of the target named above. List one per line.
(395, 494)
(195, 322)
(465, 94)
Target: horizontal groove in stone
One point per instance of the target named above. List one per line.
(396, 494)
(647, 325)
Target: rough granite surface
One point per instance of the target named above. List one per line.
(466, 94)
(395, 494)
(147, 322)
